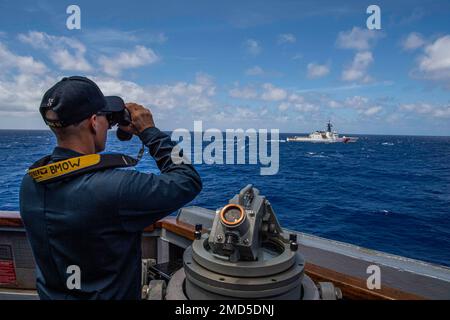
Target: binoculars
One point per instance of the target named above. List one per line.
(119, 115)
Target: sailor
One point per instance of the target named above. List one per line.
(89, 224)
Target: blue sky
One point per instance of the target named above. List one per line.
(290, 65)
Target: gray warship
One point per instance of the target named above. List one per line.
(328, 136)
(240, 251)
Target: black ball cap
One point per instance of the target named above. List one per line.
(76, 98)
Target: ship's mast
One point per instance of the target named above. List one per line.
(329, 126)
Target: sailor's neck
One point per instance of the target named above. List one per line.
(78, 147)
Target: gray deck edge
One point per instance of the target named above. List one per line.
(377, 257)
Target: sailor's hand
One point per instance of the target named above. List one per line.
(141, 118)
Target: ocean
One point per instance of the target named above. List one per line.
(388, 193)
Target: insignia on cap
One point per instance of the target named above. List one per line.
(50, 102)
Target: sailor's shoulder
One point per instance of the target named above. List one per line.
(27, 181)
(109, 185)
(112, 176)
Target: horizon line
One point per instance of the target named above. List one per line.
(293, 133)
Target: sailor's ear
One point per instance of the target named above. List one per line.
(93, 123)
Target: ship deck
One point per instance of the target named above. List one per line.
(341, 263)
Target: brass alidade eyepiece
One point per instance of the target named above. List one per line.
(232, 215)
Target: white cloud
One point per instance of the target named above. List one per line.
(272, 93)
(413, 41)
(306, 107)
(417, 107)
(286, 38)
(24, 79)
(361, 40)
(66, 61)
(372, 111)
(267, 92)
(254, 71)
(66, 53)
(38, 40)
(159, 37)
(363, 105)
(246, 113)
(442, 112)
(282, 119)
(195, 96)
(295, 98)
(357, 38)
(252, 46)
(206, 81)
(317, 70)
(357, 71)
(283, 106)
(243, 93)
(140, 56)
(357, 102)
(299, 104)
(434, 64)
(427, 109)
(25, 64)
(107, 36)
(334, 104)
(22, 82)
(23, 92)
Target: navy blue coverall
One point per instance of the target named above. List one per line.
(95, 221)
